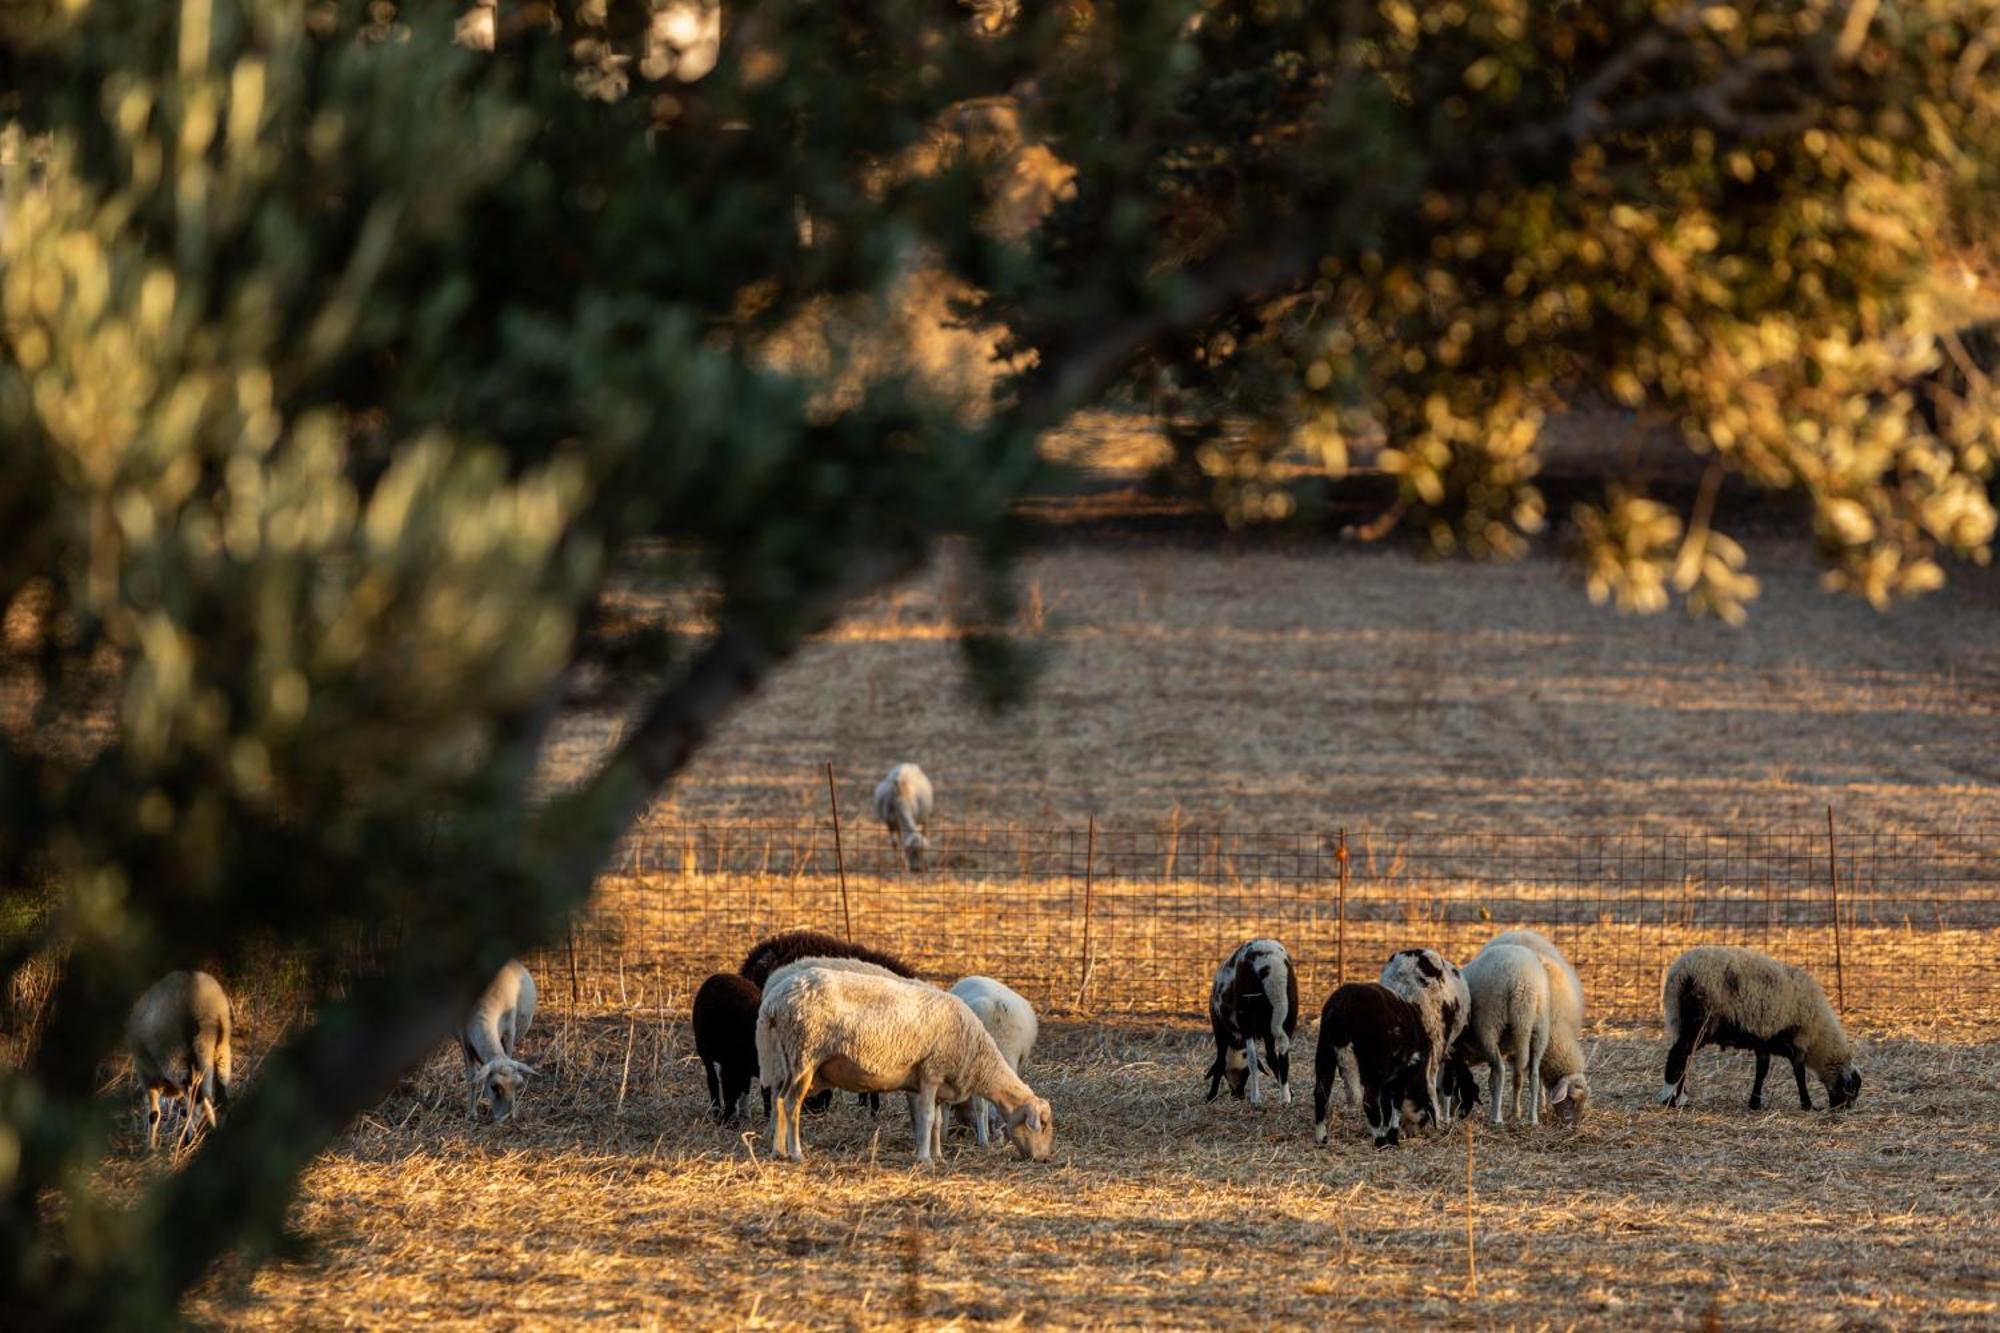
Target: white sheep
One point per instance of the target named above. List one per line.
(1563, 1080)
(179, 1035)
(1718, 995)
(868, 1033)
(1430, 981)
(1509, 1031)
(903, 803)
(491, 1035)
(1010, 1020)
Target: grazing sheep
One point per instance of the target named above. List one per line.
(870, 1033)
(1562, 1065)
(1511, 1016)
(491, 1035)
(903, 803)
(1255, 997)
(1010, 1020)
(822, 1099)
(767, 956)
(1429, 980)
(179, 1035)
(1374, 1042)
(725, 1038)
(1717, 995)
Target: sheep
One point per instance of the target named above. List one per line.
(491, 1035)
(179, 1035)
(1255, 997)
(768, 955)
(822, 1099)
(1719, 995)
(1374, 1042)
(1568, 1091)
(903, 803)
(1430, 981)
(1511, 1018)
(870, 1033)
(725, 1039)
(1010, 1020)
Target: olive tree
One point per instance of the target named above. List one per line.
(347, 351)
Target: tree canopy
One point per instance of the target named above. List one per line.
(341, 363)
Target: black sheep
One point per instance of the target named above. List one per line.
(725, 1037)
(1373, 1040)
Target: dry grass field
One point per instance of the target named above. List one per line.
(1252, 686)
(1261, 686)
(615, 1202)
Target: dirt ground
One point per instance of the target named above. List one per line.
(1259, 687)
(614, 1201)
(1270, 687)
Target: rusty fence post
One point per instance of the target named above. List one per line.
(839, 857)
(1833, 889)
(1089, 887)
(1340, 919)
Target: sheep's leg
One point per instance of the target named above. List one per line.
(152, 1119)
(791, 1108)
(715, 1107)
(1757, 1084)
(1496, 1080)
(1322, 1087)
(1384, 1118)
(1537, 1049)
(1255, 1090)
(980, 1130)
(923, 1107)
(1674, 1091)
(1799, 1073)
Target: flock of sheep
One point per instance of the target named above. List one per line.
(808, 1013)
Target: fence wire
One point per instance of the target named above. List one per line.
(1898, 926)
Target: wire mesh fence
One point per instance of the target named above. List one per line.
(1899, 926)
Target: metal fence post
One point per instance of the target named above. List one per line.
(1833, 889)
(1340, 920)
(839, 857)
(1089, 885)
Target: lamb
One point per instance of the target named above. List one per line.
(725, 1039)
(1718, 995)
(491, 1035)
(1010, 1020)
(771, 954)
(1429, 980)
(179, 1035)
(1374, 1042)
(870, 1033)
(903, 803)
(1568, 1091)
(1511, 1018)
(1255, 997)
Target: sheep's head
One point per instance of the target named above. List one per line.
(499, 1081)
(914, 847)
(1843, 1085)
(1031, 1128)
(1569, 1099)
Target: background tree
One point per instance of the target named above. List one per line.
(340, 366)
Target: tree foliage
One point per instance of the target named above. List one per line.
(340, 365)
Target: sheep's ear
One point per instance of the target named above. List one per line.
(1033, 1119)
(527, 1069)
